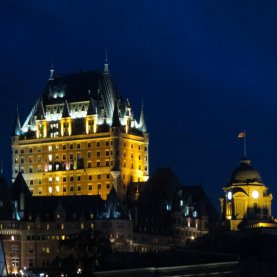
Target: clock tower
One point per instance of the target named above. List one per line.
(246, 200)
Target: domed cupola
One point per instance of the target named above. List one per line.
(245, 173)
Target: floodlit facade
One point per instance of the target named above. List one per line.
(247, 201)
(80, 138)
(80, 161)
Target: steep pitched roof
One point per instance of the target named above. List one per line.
(91, 108)
(76, 87)
(40, 113)
(114, 208)
(20, 186)
(116, 121)
(75, 207)
(65, 110)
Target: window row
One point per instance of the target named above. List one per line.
(74, 188)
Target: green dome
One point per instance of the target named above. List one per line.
(245, 173)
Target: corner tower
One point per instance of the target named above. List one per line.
(246, 199)
(81, 138)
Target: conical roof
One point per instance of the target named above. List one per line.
(142, 123)
(17, 125)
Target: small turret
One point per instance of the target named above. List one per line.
(142, 124)
(17, 125)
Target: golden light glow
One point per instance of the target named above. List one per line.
(255, 194)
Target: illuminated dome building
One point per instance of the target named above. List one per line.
(80, 138)
(247, 201)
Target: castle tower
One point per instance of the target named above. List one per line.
(246, 199)
(80, 138)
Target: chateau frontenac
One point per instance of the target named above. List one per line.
(81, 138)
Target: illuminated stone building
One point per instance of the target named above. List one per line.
(80, 138)
(80, 162)
(246, 202)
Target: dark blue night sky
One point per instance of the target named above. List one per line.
(205, 70)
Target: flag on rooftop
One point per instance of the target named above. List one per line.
(242, 135)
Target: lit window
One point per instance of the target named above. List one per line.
(57, 188)
(50, 190)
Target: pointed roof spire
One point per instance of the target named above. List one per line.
(19, 186)
(142, 124)
(40, 111)
(116, 121)
(92, 110)
(65, 110)
(17, 125)
(106, 65)
(114, 207)
(52, 73)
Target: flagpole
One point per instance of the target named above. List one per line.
(244, 144)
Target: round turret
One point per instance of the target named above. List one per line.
(245, 173)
